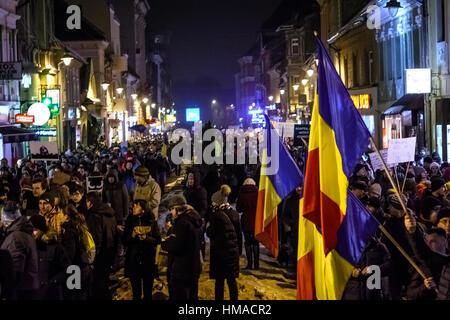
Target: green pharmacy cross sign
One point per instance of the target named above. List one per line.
(54, 108)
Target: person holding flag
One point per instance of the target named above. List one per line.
(335, 229)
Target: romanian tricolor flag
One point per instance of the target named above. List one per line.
(334, 227)
(274, 186)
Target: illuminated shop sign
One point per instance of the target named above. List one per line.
(362, 101)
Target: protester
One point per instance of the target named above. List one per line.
(141, 236)
(183, 245)
(21, 245)
(246, 203)
(53, 261)
(224, 231)
(102, 225)
(147, 189)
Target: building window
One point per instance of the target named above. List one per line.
(295, 50)
(1, 43)
(389, 58)
(355, 71)
(440, 20)
(346, 71)
(370, 67)
(399, 56)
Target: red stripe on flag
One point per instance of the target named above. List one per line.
(306, 288)
(268, 235)
(311, 195)
(332, 218)
(318, 207)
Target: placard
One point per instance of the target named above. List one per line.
(94, 184)
(301, 131)
(43, 150)
(376, 161)
(401, 150)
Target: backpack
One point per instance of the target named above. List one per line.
(88, 248)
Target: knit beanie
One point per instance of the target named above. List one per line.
(142, 171)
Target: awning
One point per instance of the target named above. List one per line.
(407, 102)
(13, 134)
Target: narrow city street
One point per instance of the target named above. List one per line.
(270, 282)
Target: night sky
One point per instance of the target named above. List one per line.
(207, 39)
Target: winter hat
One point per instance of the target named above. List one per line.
(437, 183)
(10, 212)
(375, 189)
(394, 201)
(443, 213)
(435, 164)
(225, 189)
(219, 198)
(429, 204)
(177, 201)
(48, 197)
(141, 171)
(249, 182)
(39, 222)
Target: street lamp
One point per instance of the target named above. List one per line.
(393, 6)
(105, 86)
(271, 98)
(119, 90)
(67, 59)
(295, 87)
(214, 101)
(305, 82)
(282, 91)
(145, 100)
(134, 96)
(310, 72)
(153, 105)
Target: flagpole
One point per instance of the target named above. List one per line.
(406, 174)
(383, 229)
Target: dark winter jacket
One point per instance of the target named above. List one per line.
(140, 254)
(6, 275)
(226, 242)
(401, 272)
(22, 247)
(434, 262)
(116, 194)
(196, 196)
(71, 240)
(289, 213)
(375, 254)
(102, 225)
(183, 246)
(444, 284)
(53, 263)
(246, 203)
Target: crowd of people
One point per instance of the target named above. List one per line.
(99, 209)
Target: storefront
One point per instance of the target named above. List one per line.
(365, 100)
(14, 143)
(404, 119)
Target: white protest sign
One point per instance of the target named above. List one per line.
(376, 161)
(401, 150)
